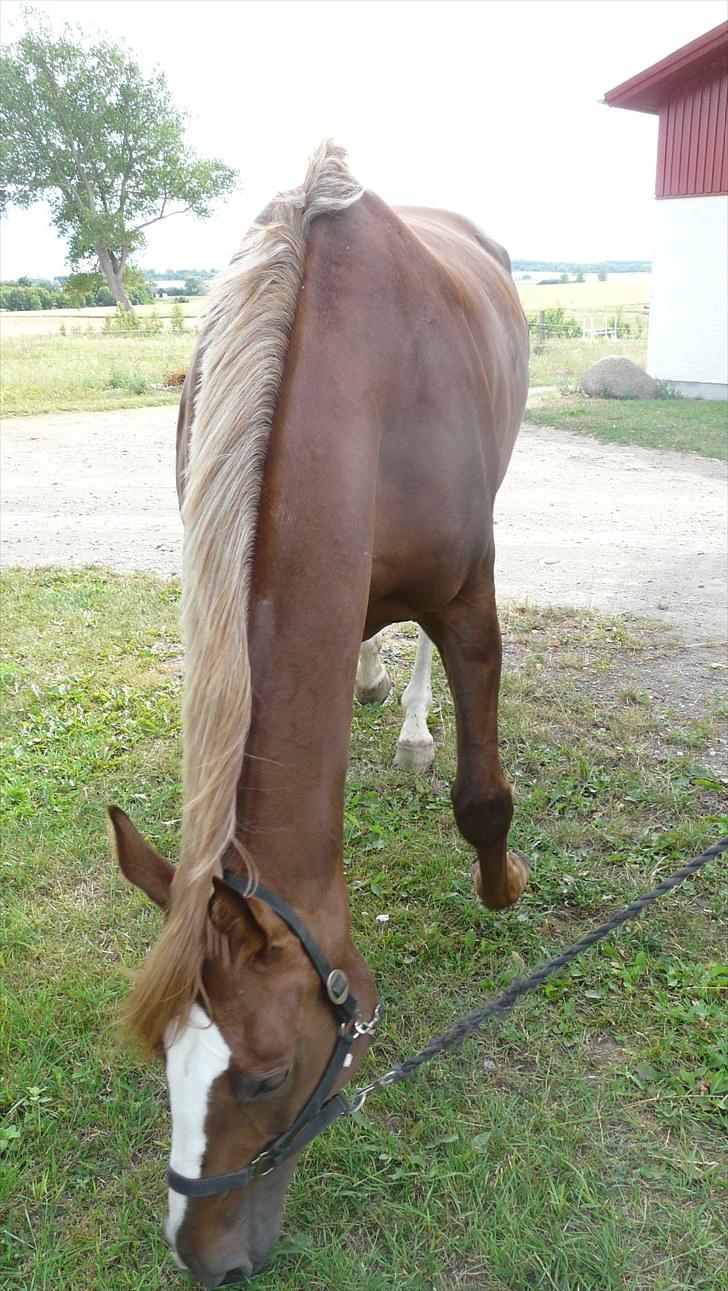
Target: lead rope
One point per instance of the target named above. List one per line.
(502, 1004)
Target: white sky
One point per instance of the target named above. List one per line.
(481, 106)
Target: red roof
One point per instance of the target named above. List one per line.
(648, 90)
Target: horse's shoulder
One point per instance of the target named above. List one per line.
(438, 223)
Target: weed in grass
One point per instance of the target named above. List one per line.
(575, 1146)
(127, 382)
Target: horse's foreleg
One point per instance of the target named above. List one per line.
(415, 746)
(468, 637)
(372, 682)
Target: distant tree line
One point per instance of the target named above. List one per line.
(75, 291)
(571, 266)
(192, 282)
(82, 290)
(32, 293)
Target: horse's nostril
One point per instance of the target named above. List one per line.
(233, 1277)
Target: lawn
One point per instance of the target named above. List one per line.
(684, 425)
(574, 1148)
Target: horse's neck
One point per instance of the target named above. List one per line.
(308, 606)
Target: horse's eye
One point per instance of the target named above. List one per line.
(248, 1087)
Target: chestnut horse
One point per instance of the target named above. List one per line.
(347, 419)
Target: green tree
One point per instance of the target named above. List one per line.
(83, 129)
(88, 288)
(194, 286)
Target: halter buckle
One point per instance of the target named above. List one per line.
(337, 986)
(260, 1165)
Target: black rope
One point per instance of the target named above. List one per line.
(503, 1003)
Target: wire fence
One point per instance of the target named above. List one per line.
(595, 325)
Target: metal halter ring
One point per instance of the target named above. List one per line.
(368, 1028)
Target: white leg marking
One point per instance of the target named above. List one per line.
(415, 746)
(196, 1055)
(372, 682)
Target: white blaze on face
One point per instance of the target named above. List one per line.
(197, 1054)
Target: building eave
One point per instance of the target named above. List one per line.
(648, 90)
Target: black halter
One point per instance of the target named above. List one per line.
(320, 1110)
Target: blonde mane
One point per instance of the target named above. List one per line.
(252, 310)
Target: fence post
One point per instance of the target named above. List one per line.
(541, 327)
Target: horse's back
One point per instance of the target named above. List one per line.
(480, 300)
(458, 338)
(451, 352)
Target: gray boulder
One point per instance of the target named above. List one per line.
(618, 379)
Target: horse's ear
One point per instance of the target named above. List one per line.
(232, 916)
(138, 861)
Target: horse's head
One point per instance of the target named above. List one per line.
(246, 1060)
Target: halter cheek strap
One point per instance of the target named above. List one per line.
(320, 1110)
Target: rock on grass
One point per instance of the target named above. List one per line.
(616, 378)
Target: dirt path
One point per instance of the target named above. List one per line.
(578, 522)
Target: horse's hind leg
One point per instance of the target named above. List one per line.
(415, 746)
(468, 637)
(372, 682)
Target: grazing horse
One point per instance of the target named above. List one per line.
(346, 421)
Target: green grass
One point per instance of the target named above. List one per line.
(683, 425)
(575, 1147)
(69, 373)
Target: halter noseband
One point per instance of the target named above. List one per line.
(320, 1110)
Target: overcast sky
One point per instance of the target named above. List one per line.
(481, 106)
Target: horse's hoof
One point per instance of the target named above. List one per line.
(415, 757)
(374, 694)
(506, 894)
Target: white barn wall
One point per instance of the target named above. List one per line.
(688, 334)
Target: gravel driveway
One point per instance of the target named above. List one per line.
(578, 522)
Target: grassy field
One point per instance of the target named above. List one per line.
(563, 360)
(684, 425)
(91, 373)
(574, 1148)
(627, 291)
(48, 322)
(624, 290)
(620, 291)
(44, 371)
(70, 373)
